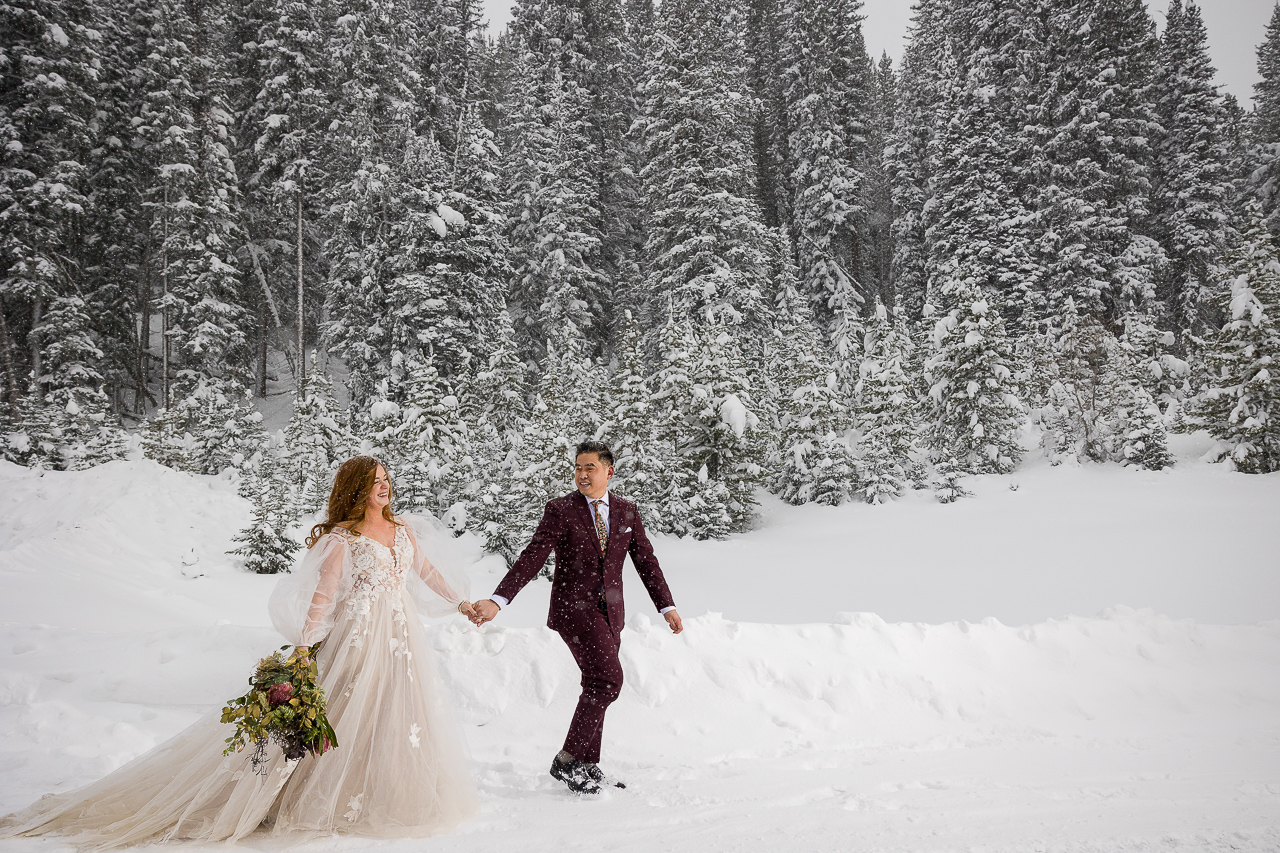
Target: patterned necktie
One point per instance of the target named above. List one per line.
(601, 533)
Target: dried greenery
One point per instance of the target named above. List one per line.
(285, 705)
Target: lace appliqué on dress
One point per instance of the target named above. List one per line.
(354, 805)
(378, 570)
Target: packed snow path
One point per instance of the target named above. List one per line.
(123, 620)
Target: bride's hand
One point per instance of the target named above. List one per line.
(467, 610)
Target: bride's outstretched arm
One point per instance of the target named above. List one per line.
(431, 575)
(320, 613)
(304, 601)
(441, 585)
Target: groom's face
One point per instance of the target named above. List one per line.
(591, 475)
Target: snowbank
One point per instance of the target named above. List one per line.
(123, 620)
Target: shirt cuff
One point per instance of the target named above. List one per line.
(663, 611)
(499, 600)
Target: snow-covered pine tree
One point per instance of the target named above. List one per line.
(371, 145)
(684, 487)
(972, 413)
(717, 460)
(708, 259)
(266, 546)
(1096, 121)
(494, 403)
(631, 432)
(582, 49)
(825, 91)
(554, 238)
(567, 409)
(813, 461)
(976, 225)
(472, 261)
(1264, 155)
(1165, 376)
(118, 264)
(51, 61)
(1146, 442)
(494, 407)
(68, 417)
(946, 480)
(1190, 203)
(906, 156)
(197, 220)
(207, 430)
(408, 269)
(1241, 406)
(887, 408)
(281, 125)
(435, 466)
(877, 261)
(707, 250)
(764, 40)
(618, 42)
(848, 336)
(316, 442)
(1088, 392)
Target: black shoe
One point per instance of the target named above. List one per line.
(574, 773)
(594, 771)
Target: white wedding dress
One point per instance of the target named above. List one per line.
(400, 768)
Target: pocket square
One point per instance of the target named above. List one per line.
(625, 530)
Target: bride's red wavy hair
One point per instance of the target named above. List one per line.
(348, 500)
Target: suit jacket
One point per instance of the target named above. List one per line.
(568, 527)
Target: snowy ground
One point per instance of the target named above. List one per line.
(1126, 698)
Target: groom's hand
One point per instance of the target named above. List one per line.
(673, 619)
(484, 611)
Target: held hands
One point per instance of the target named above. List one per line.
(483, 611)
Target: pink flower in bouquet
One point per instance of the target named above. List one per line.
(278, 694)
(328, 745)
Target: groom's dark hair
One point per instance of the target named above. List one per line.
(599, 448)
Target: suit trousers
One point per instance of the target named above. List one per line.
(595, 649)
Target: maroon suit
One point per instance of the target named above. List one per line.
(586, 599)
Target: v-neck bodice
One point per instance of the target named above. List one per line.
(377, 566)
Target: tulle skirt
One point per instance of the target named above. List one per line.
(400, 770)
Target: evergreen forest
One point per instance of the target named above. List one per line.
(716, 234)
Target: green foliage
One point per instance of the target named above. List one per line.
(1241, 406)
(813, 461)
(266, 545)
(284, 705)
(210, 429)
(887, 405)
(972, 413)
(315, 443)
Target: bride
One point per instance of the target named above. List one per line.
(400, 769)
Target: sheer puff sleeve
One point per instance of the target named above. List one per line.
(303, 604)
(438, 582)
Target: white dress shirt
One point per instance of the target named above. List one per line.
(604, 513)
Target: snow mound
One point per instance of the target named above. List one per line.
(1124, 731)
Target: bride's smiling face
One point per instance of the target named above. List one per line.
(380, 494)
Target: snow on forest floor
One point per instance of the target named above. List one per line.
(1114, 688)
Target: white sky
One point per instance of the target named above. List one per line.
(1236, 28)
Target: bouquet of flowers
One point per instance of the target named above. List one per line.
(285, 705)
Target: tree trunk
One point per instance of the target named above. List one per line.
(164, 311)
(144, 339)
(37, 309)
(302, 352)
(10, 373)
(262, 350)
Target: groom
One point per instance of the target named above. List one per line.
(591, 532)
